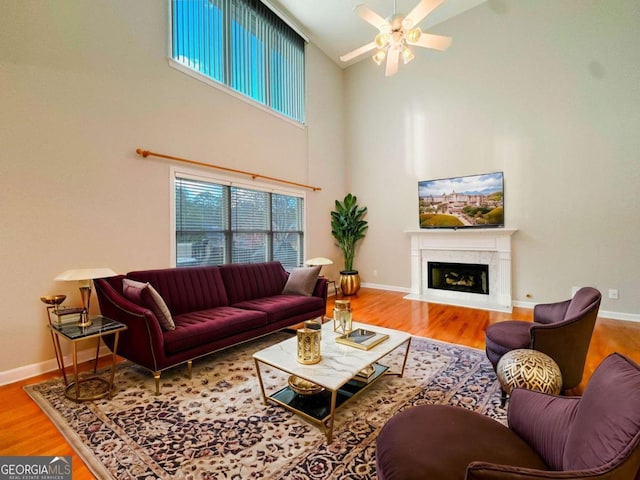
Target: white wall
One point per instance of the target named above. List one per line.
(547, 91)
(82, 85)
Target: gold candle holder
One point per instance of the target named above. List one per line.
(308, 346)
(342, 321)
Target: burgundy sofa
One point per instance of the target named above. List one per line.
(212, 307)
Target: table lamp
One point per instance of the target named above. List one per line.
(313, 262)
(84, 276)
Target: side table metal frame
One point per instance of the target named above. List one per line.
(72, 388)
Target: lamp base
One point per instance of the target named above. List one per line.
(84, 321)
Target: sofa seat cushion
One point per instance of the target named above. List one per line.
(279, 307)
(199, 328)
(422, 442)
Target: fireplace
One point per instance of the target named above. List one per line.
(490, 247)
(459, 277)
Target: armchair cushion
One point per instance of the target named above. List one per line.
(546, 313)
(543, 421)
(607, 423)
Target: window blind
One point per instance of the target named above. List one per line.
(219, 223)
(244, 45)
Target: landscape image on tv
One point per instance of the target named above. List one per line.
(459, 202)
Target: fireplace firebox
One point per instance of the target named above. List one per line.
(459, 277)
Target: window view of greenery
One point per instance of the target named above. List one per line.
(462, 202)
(242, 44)
(218, 224)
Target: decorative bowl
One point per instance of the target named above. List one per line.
(303, 387)
(53, 299)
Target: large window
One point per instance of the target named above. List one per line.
(216, 223)
(244, 45)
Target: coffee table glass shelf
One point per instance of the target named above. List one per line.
(334, 380)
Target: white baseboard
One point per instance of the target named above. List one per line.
(390, 288)
(28, 371)
(627, 317)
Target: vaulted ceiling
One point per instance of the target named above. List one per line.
(335, 28)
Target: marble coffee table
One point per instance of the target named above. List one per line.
(334, 375)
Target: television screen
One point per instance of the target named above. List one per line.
(461, 202)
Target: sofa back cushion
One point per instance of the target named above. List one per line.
(186, 289)
(248, 281)
(607, 424)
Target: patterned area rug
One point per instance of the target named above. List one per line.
(216, 425)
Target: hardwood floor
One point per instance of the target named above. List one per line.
(26, 430)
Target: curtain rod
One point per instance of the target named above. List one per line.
(147, 153)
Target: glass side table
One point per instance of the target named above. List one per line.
(100, 387)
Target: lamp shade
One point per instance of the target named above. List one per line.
(85, 274)
(319, 261)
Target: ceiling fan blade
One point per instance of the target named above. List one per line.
(372, 17)
(393, 56)
(421, 10)
(428, 40)
(358, 51)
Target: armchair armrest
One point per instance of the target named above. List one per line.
(492, 471)
(320, 290)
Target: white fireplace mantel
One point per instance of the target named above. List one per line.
(489, 246)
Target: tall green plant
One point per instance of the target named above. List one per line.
(347, 227)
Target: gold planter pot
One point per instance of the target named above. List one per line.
(349, 282)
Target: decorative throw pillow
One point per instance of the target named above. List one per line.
(144, 294)
(302, 280)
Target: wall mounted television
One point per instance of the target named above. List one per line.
(462, 202)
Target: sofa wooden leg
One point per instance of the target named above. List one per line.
(189, 367)
(156, 377)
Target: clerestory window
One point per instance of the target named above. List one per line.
(245, 46)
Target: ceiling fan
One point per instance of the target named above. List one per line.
(396, 33)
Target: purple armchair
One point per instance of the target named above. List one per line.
(562, 330)
(596, 436)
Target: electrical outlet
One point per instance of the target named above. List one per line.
(613, 294)
(375, 273)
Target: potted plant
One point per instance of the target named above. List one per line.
(348, 227)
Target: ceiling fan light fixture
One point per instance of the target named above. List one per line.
(396, 34)
(379, 57)
(414, 34)
(407, 55)
(382, 39)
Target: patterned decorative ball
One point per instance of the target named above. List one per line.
(529, 369)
